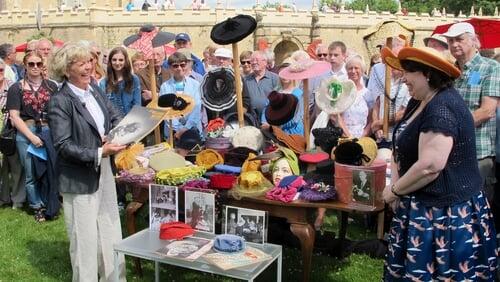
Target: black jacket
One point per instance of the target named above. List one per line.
(77, 139)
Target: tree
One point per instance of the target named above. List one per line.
(455, 6)
(421, 6)
(374, 5)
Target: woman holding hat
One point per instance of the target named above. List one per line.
(442, 228)
(285, 107)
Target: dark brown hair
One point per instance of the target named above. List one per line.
(436, 78)
(112, 80)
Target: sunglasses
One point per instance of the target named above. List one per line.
(322, 55)
(182, 65)
(245, 62)
(33, 64)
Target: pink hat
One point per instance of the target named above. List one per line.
(302, 67)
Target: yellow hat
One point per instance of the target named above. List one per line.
(208, 158)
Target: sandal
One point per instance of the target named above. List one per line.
(40, 215)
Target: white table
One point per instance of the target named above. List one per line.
(145, 243)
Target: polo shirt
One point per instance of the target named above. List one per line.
(259, 90)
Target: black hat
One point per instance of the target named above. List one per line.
(281, 108)
(237, 156)
(160, 39)
(233, 29)
(219, 91)
(327, 138)
(189, 140)
(350, 153)
(173, 101)
(232, 120)
(324, 173)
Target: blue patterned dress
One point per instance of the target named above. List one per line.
(455, 242)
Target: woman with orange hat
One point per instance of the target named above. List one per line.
(443, 227)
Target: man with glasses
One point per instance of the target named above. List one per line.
(224, 57)
(189, 65)
(260, 83)
(44, 47)
(322, 53)
(179, 83)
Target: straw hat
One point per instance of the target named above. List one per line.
(251, 184)
(177, 104)
(423, 55)
(369, 149)
(335, 96)
(208, 158)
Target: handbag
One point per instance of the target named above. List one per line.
(8, 139)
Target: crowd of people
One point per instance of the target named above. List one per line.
(442, 127)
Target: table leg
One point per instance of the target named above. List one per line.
(343, 224)
(117, 266)
(305, 233)
(157, 271)
(280, 261)
(131, 211)
(380, 225)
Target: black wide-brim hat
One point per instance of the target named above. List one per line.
(233, 29)
(218, 89)
(161, 38)
(281, 108)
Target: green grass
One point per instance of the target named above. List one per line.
(39, 252)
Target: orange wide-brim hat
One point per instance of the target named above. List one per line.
(423, 55)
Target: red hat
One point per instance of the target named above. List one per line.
(175, 230)
(222, 181)
(314, 158)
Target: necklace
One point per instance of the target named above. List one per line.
(33, 83)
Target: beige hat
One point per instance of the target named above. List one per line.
(224, 53)
(438, 37)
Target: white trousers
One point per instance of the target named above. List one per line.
(93, 226)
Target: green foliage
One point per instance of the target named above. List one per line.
(455, 6)
(421, 6)
(374, 5)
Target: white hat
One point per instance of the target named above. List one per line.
(459, 29)
(438, 37)
(224, 53)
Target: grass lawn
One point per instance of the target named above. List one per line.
(39, 252)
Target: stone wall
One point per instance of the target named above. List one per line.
(109, 26)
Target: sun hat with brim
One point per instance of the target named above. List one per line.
(335, 96)
(208, 158)
(303, 67)
(248, 136)
(251, 184)
(369, 149)
(233, 29)
(176, 105)
(218, 89)
(424, 55)
(295, 142)
(439, 38)
(165, 160)
(281, 108)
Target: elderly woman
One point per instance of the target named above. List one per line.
(27, 102)
(80, 116)
(442, 228)
(246, 67)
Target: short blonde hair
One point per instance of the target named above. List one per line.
(64, 57)
(356, 59)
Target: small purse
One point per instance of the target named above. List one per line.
(8, 138)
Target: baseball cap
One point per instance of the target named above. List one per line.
(182, 36)
(224, 53)
(186, 52)
(459, 29)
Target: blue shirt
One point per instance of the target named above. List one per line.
(124, 101)
(193, 119)
(296, 124)
(259, 90)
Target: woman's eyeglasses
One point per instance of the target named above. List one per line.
(322, 55)
(245, 62)
(33, 64)
(182, 65)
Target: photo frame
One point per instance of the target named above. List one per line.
(247, 223)
(363, 186)
(199, 209)
(163, 205)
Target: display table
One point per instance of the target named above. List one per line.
(145, 243)
(297, 214)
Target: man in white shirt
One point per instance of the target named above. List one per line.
(337, 54)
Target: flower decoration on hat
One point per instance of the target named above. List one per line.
(215, 128)
(334, 89)
(335, 96)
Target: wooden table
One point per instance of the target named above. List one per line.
(297, 214)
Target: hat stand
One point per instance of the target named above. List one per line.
(305, 99)
(385, 123)
(154, 97)
(239, 98)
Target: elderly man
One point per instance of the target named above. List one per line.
(162, 75)
(224, 57)
(178, 82)
(44, 46)
(8, 55)
(479, 85)
(188, 70)
(322, 53)
(183, 40)
(260, 83)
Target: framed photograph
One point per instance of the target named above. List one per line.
(199, 207)
(247, 223)
(163, 205)
(363, 191)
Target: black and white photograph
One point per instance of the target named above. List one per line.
(362, 186)
(247, 223)
(138, 123)
(189, 248)
(163, 206)
(200, 210)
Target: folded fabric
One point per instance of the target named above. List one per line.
(179, 175)
(222, 181)
(286, 189)
(227, 243)
(199, 183)
(137, 175)
(175, 230)
(228, 169)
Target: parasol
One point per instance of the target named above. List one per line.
(487, 30)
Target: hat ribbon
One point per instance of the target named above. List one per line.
(335, 90)
(300, 65)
